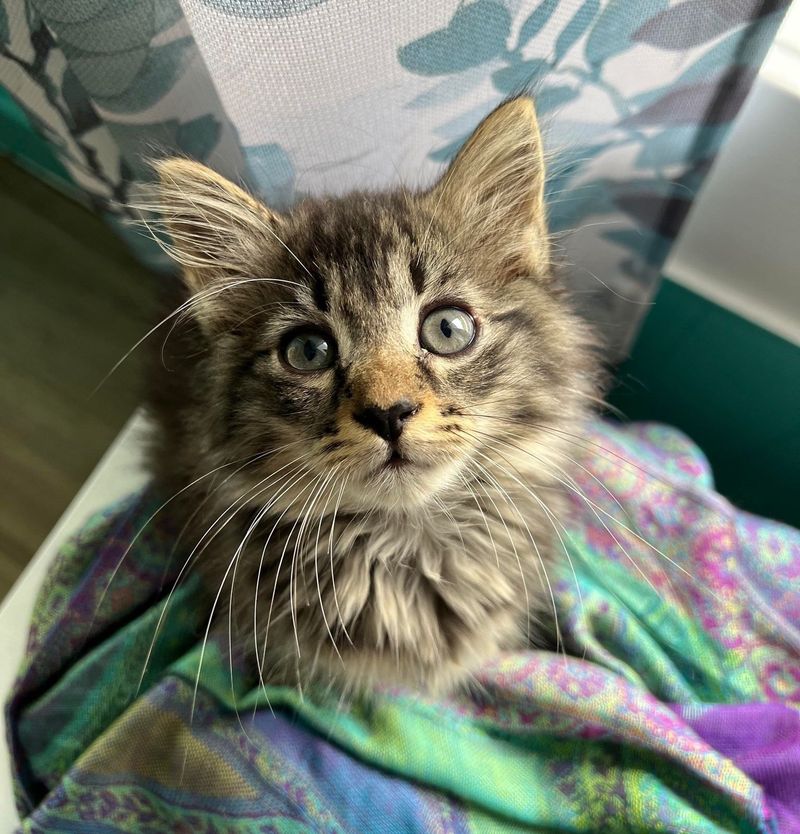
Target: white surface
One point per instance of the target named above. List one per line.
(740, 245)
(782, 64)
(118, 473)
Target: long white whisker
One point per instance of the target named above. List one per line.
(553, 519)
(559, 641)
(595, 508)
(484, 471)
(485, 522)
(186, 305)
(310, 486)
(330, 553)
(197, 550)
(316, 570)
(260, 657)
(296, 554)
(231, 564)
(580, 494)
(267, 506)
(148, 521)
(584, 442)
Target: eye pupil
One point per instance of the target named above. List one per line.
(310, 348)
(446, 328)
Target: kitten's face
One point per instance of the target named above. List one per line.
(384, 340)
(389, 354)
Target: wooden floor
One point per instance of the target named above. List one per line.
(72, 301)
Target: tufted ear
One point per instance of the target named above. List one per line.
(494, 188)
(216, 228)
(219, 235)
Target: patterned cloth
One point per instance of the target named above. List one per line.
(675, 709)
(306, 96)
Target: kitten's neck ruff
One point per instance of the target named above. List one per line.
(417, 597)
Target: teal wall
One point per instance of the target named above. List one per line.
(733, 387)
(20, 140)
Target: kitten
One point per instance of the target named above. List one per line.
(373, 398)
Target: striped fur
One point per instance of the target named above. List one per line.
(333, 566)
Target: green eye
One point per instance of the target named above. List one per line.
(447, 330)
(309, 350)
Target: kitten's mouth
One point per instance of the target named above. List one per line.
(396, 460)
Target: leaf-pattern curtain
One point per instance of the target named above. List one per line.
(298, 97)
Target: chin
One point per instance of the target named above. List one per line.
(404, 486)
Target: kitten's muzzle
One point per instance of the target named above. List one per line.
(387, 423)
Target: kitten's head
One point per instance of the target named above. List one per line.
(386, 338)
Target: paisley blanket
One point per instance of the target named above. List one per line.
(673, 706)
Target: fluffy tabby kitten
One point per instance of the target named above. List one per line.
(372, 398)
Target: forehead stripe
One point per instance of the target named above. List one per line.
(319, 293)
(417, 274)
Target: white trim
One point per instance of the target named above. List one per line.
(119, 472)
(782, 68)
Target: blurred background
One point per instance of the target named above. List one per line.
(674, 194)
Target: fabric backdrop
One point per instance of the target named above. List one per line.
(299, 97)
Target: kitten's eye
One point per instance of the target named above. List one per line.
(447, 330)
(309, 350)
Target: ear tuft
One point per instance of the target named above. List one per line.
(494, 188)
(216, 228)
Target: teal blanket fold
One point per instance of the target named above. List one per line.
(674, 705)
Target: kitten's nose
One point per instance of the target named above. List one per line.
(386, 422)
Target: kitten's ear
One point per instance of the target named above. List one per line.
(494, 188)
(217, 229)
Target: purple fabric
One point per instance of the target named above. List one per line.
(763, 740)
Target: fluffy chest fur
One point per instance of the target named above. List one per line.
(414, 598)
